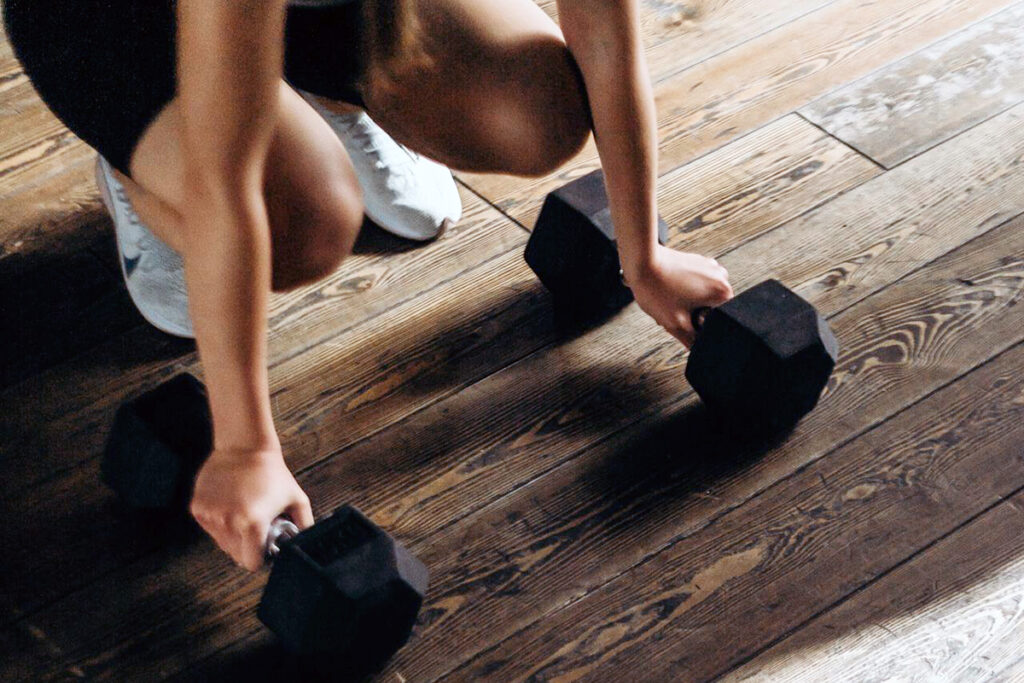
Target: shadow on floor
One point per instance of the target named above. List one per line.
(57, 304)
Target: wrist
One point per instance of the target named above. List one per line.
(247, 455)
(640, 265)
(245, 432)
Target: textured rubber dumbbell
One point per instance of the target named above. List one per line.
(572, 248)
(762, 360)
(157, 444)
(342, 592)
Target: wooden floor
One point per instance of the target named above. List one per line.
(578, 518)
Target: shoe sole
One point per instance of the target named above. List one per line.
(446, 224)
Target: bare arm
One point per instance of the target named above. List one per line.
(229, 75)
(604, 38)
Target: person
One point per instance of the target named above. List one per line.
(207, 112)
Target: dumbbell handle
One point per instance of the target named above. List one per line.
(697, 317)
(281, 529)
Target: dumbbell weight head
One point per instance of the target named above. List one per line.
(761, 360)
(343, 592)
(572, 248)
(157, 444)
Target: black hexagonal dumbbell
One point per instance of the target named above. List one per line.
(761, 360)
(572, 248)
(341, 592)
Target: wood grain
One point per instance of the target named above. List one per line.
(713, 596)
(76, 400)
(760, 181)
(539, 470)
(772, 176)
(706, 106)
(931, 96)
(681, 33)
(506, 569)
(574, 528)
(953, 612)
(318, 417)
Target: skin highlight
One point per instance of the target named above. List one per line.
(242, 177)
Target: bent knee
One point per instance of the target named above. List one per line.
(317, 238)
(547, 122)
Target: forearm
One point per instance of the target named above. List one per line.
(605, 40)
(227, 268)
(230, 58)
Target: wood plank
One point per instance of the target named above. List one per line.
(610, 509)
(931, 96)
(750, 186)
(721, 592)
(74, 402)
(445, 462)
(953, 612)
(34, 654)
(547, 543)
(65, 216)
(772, 176)
(64, 305)
(319, 424)
(718, 100)
(680, 33)
(894, 224)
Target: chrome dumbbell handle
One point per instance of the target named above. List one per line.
(281, 529)
(698, 316)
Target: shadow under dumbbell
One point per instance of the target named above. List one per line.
(266, 661)
(683, 455)
(574, 320)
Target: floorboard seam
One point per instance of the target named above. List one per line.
(962, 132)
(917, 553)
(491, 204)
(530, 481)
(669, 76)
(882, 67)
(712, 520)
(674, 405)
(844, 143)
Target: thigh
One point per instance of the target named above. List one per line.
(313, 197)
(304, 152)
(499, 90)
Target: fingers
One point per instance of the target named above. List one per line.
(241, 536)
(682, 329)
(301, 512)
(252, 543)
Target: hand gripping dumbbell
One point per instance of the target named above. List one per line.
(759, 361)
(342, 590)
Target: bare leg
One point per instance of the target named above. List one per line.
(501, 92)
(313, 199)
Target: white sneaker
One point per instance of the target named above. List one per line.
(403, 192)
(153, 272)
